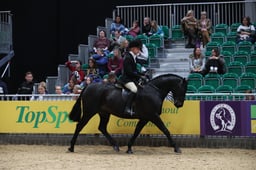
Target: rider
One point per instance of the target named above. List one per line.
(130, 74)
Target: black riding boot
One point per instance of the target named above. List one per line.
(128, 106)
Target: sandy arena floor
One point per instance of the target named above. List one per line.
(99, 157)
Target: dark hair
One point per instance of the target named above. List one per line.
(248, 19)
(102, 31)
(216, 50)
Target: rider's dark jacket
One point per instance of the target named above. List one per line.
(130, 72)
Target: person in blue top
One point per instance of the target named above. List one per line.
(101, 60)
(117, 25)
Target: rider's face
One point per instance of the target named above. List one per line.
(135, 50)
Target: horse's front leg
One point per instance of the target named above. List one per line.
(80, 125)
(159, 123)
(104, 119)
(137, 131)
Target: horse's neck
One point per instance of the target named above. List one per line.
(165, 86)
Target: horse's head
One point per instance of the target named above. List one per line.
(180, 94)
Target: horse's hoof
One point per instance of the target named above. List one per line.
(116, 148)
(129, 151)
(71, 149)
(177, 150)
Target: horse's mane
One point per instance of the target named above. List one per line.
(160, 77)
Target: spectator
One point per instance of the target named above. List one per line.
(196, 61)
(101, 61)
(41, 92)
(76, 90)
(146, 27)
(76, 68)
(3, 87)
(124, 47)
(115, 63)
(142, 57)
(102, 42)
(58, 90)
(92, 70)
(249, 97)
(118, 39)
(135, 29)
(68, 88)
(204, 28)
(87, 80)
(156, 29)
(246, 31)
(189, 27)
(117, 25)
(111, 78)
(26, 87)
(215, 63)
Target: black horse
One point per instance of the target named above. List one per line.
(106, 99)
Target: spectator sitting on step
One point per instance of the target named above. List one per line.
(156, 29)
(68, 88)
(196, 61)
(102, 42)
(115, 63)
(215, 64)
(135, 29)
(76, 68)
(117, 25)
(146, 27)
(101, 61)
(93, 71)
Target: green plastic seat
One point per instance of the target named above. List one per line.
(235, 67)
(195, 79)
(212, 79)
(223, 28)
(248, 79)
(230, 79)
(229, 46)
(241, 56)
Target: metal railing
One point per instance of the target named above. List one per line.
(5, 32)
(170, 14)
(189, 96)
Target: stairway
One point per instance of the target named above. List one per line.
(174, 60)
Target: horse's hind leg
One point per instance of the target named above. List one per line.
(104, 119)
(159, 123)
(80, 125)
(137, 131)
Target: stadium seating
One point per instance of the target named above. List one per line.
(212, 79)
(177, 33)
(212, 45)
(206, 89)
(221, 28)
(250, 67)
(235, 67)
(218, 37)
(195, 79)
(241, 56)
(229, 46)
(231, 79)
(244, 46)
(248, 79)
(228, 57)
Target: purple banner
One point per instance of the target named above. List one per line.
(223, 118)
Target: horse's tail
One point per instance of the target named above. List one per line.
(76, 111)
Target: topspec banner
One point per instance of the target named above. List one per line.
(52, 117)
(224, 118)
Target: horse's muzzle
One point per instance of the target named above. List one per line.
(178, 103)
